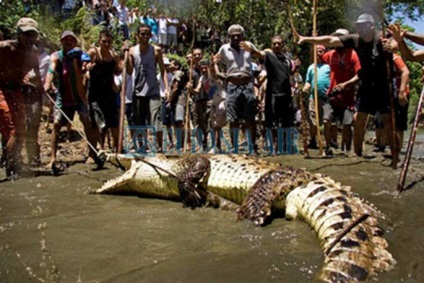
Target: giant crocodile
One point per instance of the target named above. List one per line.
(352, 242)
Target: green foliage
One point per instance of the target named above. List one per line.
(10, 12)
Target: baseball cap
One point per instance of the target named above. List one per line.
(365, 18)
(68, 33)
(235, 29)
(321, 47)
(27, 24)
(340, 32)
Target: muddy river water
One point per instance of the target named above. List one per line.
(51, 229)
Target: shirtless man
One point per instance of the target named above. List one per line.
(21, 57)
(143, 60)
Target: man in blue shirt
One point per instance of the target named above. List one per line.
(324, 108)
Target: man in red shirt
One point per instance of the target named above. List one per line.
(344, 66)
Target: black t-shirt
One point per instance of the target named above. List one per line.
(373, 73)
(278, 69)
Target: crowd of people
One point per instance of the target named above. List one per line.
(259, 94)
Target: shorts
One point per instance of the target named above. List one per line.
(342, 116)
(371, 100)
(12, 114)
(171, 39)
(241, 103)
(147, 111)
(162, 39)
(179, 113)
(129, 114)
(167, 114)
(218, 114)
(279, 111)
(69, 111)
(325, 111)
(104, 114)
(401, 115)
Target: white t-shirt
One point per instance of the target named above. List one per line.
(162, 25)
(129, 86)
(162, 85)
(122, 14)
(171, 28)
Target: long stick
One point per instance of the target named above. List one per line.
(412, 136)
(304, 122)
(84, 137)
(122, 106)
(395, 143)
(314, 32)
(190, 80)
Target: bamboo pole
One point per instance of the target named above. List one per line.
(122, 106)
(190, 81)
(314, 33)
(304, 122)
(394, 143)
(412, 136)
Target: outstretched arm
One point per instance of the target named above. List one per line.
(326, 40)
(414, 37)
(249, 47)
(398, 35)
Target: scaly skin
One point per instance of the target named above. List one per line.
(346, 226)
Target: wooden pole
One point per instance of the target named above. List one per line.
(394, 143)
(122, 106)
(411, 141)
(304, 122)
(190, 81)
(314, 33)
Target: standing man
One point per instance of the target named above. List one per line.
(123, 15)
(279, 110)
(143, 59)
(373, 94)
(241, 100)
(324, 108)
(344, 67)
(71, 97)
(101, 96)
(18, 58)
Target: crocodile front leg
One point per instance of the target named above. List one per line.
(194, 170)
(271, 187)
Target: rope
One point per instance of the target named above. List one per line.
(73, 124)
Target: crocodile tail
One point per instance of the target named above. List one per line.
(347, 227)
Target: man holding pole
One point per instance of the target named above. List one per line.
(68, 66)
(374, 93)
